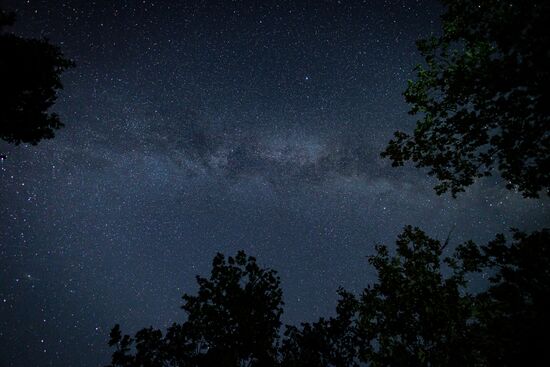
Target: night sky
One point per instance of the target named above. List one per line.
(197, 127)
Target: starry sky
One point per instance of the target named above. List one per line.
(198, 127)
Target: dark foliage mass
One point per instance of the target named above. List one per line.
(30, 71)
(483, 97)
(234, 320)
(513, 314)
(331, 342)
(414, 315)
(419, 313)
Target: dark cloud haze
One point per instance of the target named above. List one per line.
(201, 127)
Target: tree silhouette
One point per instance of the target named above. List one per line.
(234, 320)
(419, 312)
(324, 343)
(483, 101)
(483, 97)
(414, 315)
(30, 71)
(513, 315)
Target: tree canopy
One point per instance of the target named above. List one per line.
(327, 342)
(512, 317)
(30, 70)
(419, 312)
(482, 97)
(414, 315)
(233, 320)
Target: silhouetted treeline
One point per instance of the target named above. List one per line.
(415, 314)
(30, 71)
(483, 97)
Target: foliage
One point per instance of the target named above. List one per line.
(415, 315)
(324, 343)
(234, 320)
(30, 71)
(418, 313)
(483, 97)
(513, 314)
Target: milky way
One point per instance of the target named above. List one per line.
(196, 129)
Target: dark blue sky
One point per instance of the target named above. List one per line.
(201, 127)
